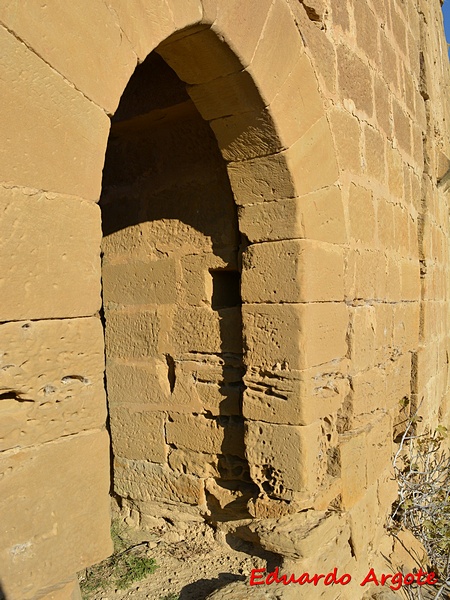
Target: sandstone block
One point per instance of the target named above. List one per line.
(385, 224)
(354, 79)
(375, 154)
(362, 338)
(382, 105)
(64, 519)
(270, 69)
(51, 380)
(138, 282)
(203, 330)
(301, 536)
(220, 399)
(395, 172)
(138, 435)
(199, 464)
(201, 434)
(239, 24)
(295, 336)
(139, 382)
(402, 127)
(347, 134)
(322, 217)
(132, 334)
(89, 65)
(361, 211)
(200, 57)
(247, 135)
(229, 95)
(379, 448)
(352, 451)
(145, 481)
(292, 271)
(298, 105)
(64, 133)
(284, 458)
(263, 179)
(321, 48)
(51, 268)
(366, 30)
(363, 517)
(270, 221)
(312, 159)
(406, 326)
(145, 24)
(294, 398)
(410, 270)
(384, 316)
(368, 396)
(389, 61)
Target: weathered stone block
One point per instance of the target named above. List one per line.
(230, 95)
(298, 104)
(292, 271)
(270, 221)
(88, 66)
(366, 30)
(132, 334)
(138, 282)
(284, 458)
(200, 434)
(346, 133)
(295, 336)
(361, 211)
(368, 396)
(362, 338)
(141, 382)
(64, 518)
(138, 435)
(208, 57)
(204, 330)
(145, 481)
(247, 135)
(322, 217)
(51, 379)
(271, 69)
(262, 179)
(312, 159)
(375, 154)
(58, 126)
(51, 267)
(354, 78)
(294, 397)
(379, 448)
(353, 453)
(251, 17)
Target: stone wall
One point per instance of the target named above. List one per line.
(274, 272)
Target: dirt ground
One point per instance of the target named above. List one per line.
(192, 563)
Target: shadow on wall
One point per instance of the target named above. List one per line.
(2, 593)
(171, 261)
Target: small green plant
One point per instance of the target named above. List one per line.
(127, 564)
(422, 469)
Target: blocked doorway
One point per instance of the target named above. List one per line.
(171, 295)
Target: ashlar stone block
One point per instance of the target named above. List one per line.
(50, 266)
(89, 65)
(64, 133)
(292, 271)
(51, 380)
(64, 523)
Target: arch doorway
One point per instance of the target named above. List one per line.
(172, 256)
